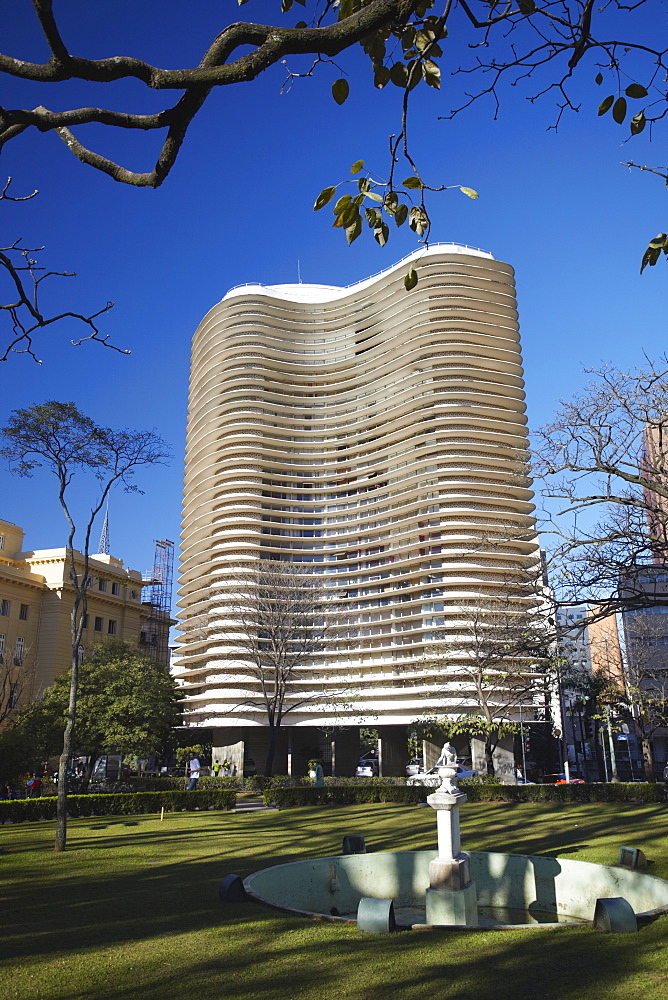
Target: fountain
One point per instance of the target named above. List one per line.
(448, 888)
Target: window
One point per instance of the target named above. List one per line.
(85, 621)
(2, 647)
(2, 541)
(14, 692)
(116, 589)
(19, 650)
(23, 612)
(133, 595)
(5, 607)
(102, 586)
(111, 627)
(98, 624)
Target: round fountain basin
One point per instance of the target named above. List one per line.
(512, 889)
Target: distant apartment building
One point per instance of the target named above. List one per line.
(378, 438)
(36, 600)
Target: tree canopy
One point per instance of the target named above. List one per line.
(127, 703)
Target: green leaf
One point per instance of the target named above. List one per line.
(619, 110)
(431, 73)
(364, 184)
(357, 166)
(390, 203)
(606, 104)
(381, 77)
(382, 233)
(411, 279)
(399, 75)
(418, 220)
(286, 5)
(346, 217)
(373, 196)
(635, 90)
(300, 24)
(353, 230)
(373, 217)
(401, 214)
(340, 90)
(638, 123)
(344, 200)
(469, 192)
(412, 182)
(324, 198)
(599, 79)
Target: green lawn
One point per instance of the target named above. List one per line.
(130, 912)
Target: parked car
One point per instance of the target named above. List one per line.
(432, 778)
(414, 766)
(665, 773)
(560, 779)
(367, 767)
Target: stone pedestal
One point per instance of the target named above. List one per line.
(451, 896)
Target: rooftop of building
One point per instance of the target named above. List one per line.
(312, 293)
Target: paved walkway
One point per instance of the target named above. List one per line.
(251, 803)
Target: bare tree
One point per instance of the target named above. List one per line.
(642, 698)
(604, 459)
(273, 620)
(16, 672)
(23, 306)
(58, 437)
(537, 44)
(493, 660)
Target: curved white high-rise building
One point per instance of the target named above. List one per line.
(379, 436)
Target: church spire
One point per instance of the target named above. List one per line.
(104, 536)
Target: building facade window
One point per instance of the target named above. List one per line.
(102, 586)
(111, 627)
(19, 650)
(14, 692)
(115, 589)
(2, 541)
(5, 607)
(85, 620)
(98, 624)
(23, 612)
(3, 639)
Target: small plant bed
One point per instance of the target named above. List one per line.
(116, 804)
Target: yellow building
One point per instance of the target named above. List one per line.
(36, 601)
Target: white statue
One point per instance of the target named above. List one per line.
(448, 756)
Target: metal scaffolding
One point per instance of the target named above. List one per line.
(155, 630)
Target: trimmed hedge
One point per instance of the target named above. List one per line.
(344, 795)
(253, 783)
(116, 804)
(591, 792)
(411, 794)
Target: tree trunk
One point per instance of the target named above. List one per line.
(489, 755)
(271, 751)
(61, 807)
(647, 759)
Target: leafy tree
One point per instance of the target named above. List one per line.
(127, 703)
(57, 437)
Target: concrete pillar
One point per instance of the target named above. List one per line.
(504, 758)
(392, 751)
(430, 753)
(345, 752)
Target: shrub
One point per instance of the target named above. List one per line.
(591, 792)
(343, 795)
(117, 804)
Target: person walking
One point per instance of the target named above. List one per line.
(194, 769)
(216, 769)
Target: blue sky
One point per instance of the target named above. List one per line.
(557, 205)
